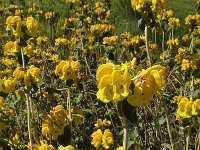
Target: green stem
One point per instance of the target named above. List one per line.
(69, 109)
(125, 138)
(28, 120)
(188, 138)
(28, 107)
(168, 124)
(147, 45)
(163, 45)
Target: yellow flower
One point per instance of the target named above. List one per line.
(42, 40)
(67, 69)
(1, 103)
(107, 139)
(11, 48)
(49, 15)
(193, 20)
(69, 147)
(33, 75)
(14, 24)
(88, 20)
(29, 49)
(46, 147)
(53, 125)
(110, 40)
(10, 113)
(19, 73)
(148, 83)
(185, 64)
(61, 41)
(32, 26)
(120, 148)
(96, 138)
(174, 23)
(196, 107)
(172, 42)
(111, 83)
(8, 85)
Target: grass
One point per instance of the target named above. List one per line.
(125, 19)
(122, 15)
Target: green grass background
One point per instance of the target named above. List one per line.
(122, 15)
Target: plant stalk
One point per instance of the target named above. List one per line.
(125, 138)
(147, 45)
(188, 138)
(168, 124)
(28, 107)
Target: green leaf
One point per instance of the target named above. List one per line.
(52, 90)
(65, 138)
(161, 120)
(196, 94)
(129, 112)
(166, 145)
(79, 98)
(69, 82)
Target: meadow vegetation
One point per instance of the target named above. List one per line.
(99, 74)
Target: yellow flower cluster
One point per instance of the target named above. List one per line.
(103, 123)
(49, 15)
(11, 48)
(120, 148)
(125, 39)
(186, 60)
(186, 64)
(69, 147)
(137, 39)
(29, 49)
(42, 40)
(186, 107)
(33, 75)
(148, 83)
(32, 26)
(2, 103)
(18, 74)
(61, 41)
(172, 42)
(101, 28)
(105, 139)
(165, 15)
(181, 54)
(174, 23)
(67, 69)
(43, 145)
(193, 20)
(53, 125)
(112, 84)
(14, 24)
(101, 9)
(72, 1)
(7, 85)
(71, 22)
(110, 40)
(142, 5)
(9, 112)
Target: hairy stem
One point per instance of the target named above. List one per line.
(125, 138)
(147, 45)
(28, 120)
(188, 138)
(168, 124)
